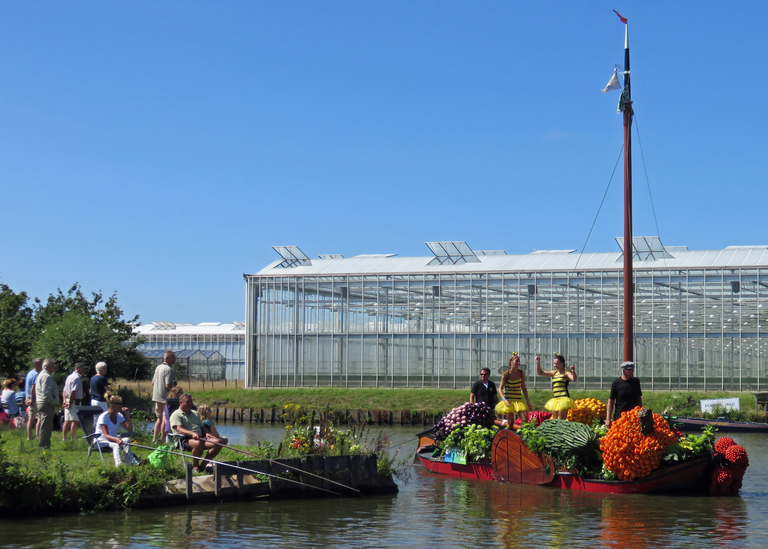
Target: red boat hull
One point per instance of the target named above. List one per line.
(680, 478)
(476, 471)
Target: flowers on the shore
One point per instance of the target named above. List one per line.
(300, 443)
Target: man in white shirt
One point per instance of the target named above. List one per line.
(72, 398)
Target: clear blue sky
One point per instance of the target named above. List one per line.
(159, 149)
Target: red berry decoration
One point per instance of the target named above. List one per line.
(738, 476)
(722, 478)
(737, 455)
(723, 444)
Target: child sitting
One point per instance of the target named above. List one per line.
(205, 413)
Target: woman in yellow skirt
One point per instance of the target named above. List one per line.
(561, 401)
(511, 392)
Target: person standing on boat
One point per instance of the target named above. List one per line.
(561, 400)
(484, 390)
(625, 393)
(511, 391)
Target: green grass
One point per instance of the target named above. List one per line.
(682, 403)
(36, 481)
(57, 479)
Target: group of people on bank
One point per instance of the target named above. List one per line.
(39, 401)
(510, 401)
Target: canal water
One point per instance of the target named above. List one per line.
(429, 511)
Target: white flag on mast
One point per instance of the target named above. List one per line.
(613, 83)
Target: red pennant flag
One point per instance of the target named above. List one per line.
(623, 19)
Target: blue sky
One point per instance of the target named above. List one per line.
(159, 149)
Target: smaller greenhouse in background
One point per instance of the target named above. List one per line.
(193, 365)
(227, 340)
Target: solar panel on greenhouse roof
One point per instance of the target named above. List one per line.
(455, 252)
(646, 247)
(292, 256)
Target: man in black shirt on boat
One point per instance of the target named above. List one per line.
(625, 393)
(484, 390)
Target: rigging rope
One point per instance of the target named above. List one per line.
(618, 159)
(648, 184)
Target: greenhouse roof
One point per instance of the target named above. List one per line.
(181, 353)
(649, 254)
(236, 327)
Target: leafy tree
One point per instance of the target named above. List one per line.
(77, 329)
(17, 331)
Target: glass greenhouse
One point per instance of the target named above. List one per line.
(389, 321)
(228, 340)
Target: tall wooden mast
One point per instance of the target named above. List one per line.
(625, 104)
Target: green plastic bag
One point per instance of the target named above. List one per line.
(160, 458)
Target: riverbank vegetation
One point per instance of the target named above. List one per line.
(70, 328)
(431, 401)
(34, 481)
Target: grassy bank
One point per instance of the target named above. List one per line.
(35, 481)
(683, 403)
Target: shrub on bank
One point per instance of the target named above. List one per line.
(47, 484)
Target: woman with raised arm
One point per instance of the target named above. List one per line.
(511, 392)
(561, 400)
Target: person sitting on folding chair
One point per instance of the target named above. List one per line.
(108, 423)
(185, 421)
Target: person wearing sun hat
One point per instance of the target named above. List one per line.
(625, 393)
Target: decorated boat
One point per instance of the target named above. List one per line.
(514, 463)
(640, 453)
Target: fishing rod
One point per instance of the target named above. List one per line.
(252, 471)
(281, 464)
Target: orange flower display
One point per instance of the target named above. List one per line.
(629, 453)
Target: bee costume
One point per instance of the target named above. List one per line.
(560, 400)
(513, 392)
(514, 395)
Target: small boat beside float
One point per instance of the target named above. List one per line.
(722, 424)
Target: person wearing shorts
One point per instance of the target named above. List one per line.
(30, 400)
(72, 399)
(162, 382)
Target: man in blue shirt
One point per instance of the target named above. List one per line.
(30, 401)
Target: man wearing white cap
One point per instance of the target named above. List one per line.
(625, 393)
